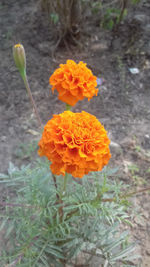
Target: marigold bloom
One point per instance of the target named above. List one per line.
(75, 143)
(73, 82)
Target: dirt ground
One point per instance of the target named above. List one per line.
(122, 105)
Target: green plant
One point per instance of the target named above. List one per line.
(133, 169)
(40, 235)
(96, 6)
(138, 148)
(51, 220)
(25, 150)
(112, 17)
(55, 18)
(134, 2)
(111, 14)
(139, 180)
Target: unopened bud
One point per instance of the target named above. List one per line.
(20, 58)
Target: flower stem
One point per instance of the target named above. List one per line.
(55, 184)
(65, 183)
(24, 77)
(63, 191)
(68, 107)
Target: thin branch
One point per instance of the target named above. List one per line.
(5, 204)
(126, 195)
(55, 184)
(93, 253)
(124, 6)
(16, 261)
(32, 101)
(19, 258)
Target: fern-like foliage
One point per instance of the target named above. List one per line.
(43, 226)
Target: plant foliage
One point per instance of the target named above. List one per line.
(40, 230)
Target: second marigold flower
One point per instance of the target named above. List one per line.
(73, 82)
(75, 143)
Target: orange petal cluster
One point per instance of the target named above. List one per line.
(73, 82)
(75, 143)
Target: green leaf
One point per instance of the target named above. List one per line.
(116, 243)
(3, 176)
(4, 223)
(134, 2)
(9, 229)
(123, 253)
(54, 18)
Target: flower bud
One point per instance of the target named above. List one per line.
(20, 58)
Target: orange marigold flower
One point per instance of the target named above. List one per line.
(75, 143)
(73, 82)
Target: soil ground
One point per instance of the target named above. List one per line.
(122, 105)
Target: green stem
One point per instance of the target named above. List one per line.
(126, 195)
(64, 185)
(63, 191)
(68, 107)
(24, 77)
(114, 199)
(55, 184)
